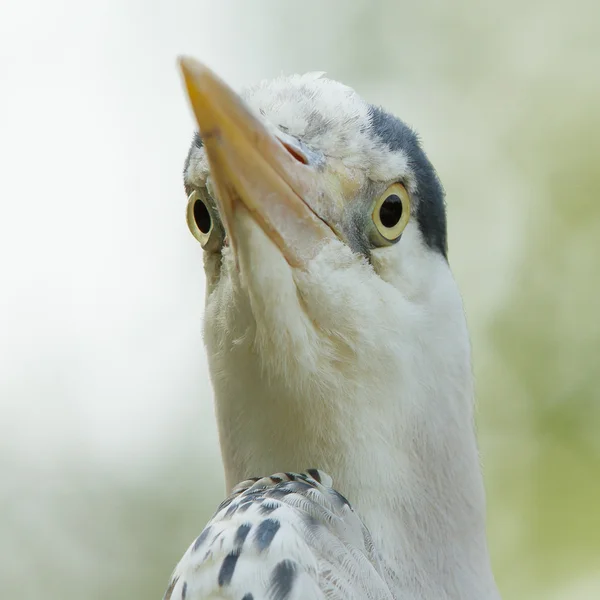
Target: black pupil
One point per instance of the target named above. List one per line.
(202, 216)
(390, 212)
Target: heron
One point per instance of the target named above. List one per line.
(338, 353)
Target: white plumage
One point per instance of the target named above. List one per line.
(284, 536)
(332, 345)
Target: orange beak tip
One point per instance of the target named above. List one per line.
(191, 67)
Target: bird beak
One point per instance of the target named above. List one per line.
(253, 170)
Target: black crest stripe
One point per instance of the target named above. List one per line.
(431, 208)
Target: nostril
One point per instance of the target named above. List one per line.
(295, 152)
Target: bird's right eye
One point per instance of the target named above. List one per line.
(390, 215)
(203, 226)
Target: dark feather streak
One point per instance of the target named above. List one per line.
(201, 538)
(265, 533)
(227, 568)
(282, 580)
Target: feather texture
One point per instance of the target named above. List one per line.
(284, 537)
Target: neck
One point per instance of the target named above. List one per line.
(396, 434)
(413, 476)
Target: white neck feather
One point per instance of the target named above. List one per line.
(394, 430)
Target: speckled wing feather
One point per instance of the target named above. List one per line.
(285, 537)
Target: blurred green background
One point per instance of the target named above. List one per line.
(108, 450)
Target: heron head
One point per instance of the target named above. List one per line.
(324, 230)
(335, 332)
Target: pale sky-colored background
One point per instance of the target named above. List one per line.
(109, 456)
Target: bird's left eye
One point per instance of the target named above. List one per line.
(391, 213)
(202, 223)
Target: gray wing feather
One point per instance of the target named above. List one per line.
(286, 537)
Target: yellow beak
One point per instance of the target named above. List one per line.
(252, 169)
